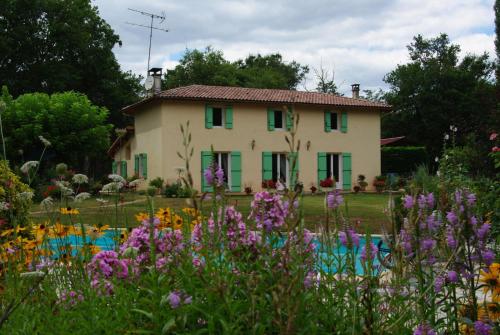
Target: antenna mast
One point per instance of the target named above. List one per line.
(151, 27)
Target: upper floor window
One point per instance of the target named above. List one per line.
(278, 119)
(335, 121)
(218, 117)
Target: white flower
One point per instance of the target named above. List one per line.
(436, 159)
(117, 178)
(437, 173)
(4, 206)
(451, 127)
(445, 156)
(80, 179)
(101, 201)
(65, 190)
(112, 187)
(82, 196)
(135, 182)
(45, 141)
(455, 129)
(47, 203)
(446, 136)
(25, 195)
(28, 166)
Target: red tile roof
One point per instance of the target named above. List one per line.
(242, 94)
(384, 141)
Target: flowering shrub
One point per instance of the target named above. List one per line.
(328, 182)
(269, 184)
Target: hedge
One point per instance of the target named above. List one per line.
(402, 160)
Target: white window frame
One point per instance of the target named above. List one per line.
(329, 155)
(223, 116)
(219, 163)
(338, 122)
(278, 165)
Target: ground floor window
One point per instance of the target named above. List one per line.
(222, 159)
(280, 168)
(333, 168)
(229, 162)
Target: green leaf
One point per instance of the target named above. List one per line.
(170, 324)
(149, 315)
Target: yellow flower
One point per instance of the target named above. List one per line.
(41, 230)
(93, 249)
(8, 232)
(123, 235)
(69, 211)
(466, 329)
(177, 221)
(491, 280)
(96, 232)
(141, 217)
(60, 230)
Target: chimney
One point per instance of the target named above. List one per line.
(155, 73)
(355, 91)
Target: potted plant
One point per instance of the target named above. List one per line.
(269, 184)
(248, 190)
(327, 184)
(313, 189)
(379, 183)
(362, 182)
(357, 188)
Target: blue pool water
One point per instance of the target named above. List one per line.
(107, 242)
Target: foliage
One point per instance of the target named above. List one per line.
(435, 90)
(209, 67)
(176, 190)
(326, 82)
(76, 128)
(55, 45)
(15, 199)
(157, 182)
(402, 160)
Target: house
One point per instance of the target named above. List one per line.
(340, 136)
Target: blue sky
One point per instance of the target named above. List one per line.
(359, 40)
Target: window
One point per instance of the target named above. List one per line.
(141, 165)
(333, 168)
(278, 119)
(222, 159)
(128, 152)
(334, 121)
(280, 168)
(218, 117)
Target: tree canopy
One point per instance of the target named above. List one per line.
(435, 90)
(75, 127)
(209, 67)
(60, 45)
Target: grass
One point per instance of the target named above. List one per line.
(366, 210)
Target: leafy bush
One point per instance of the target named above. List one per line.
(402, 160)
(158, 183)
(15, 199)
(176, 190)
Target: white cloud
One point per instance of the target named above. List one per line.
(362, 40)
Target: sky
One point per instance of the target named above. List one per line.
(360, 41)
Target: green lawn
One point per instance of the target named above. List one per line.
(368, 209)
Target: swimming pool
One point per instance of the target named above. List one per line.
(107, 242)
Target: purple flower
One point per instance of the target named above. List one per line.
(488, 257)
(408, 201)
(343, 238)
(452, 276)
(368, 253)
(452, 218)
(174, 299)
(424, 329)
(430, 200)
(209, 177)
(310, 279)
(428, 244)
(219, 174)
(450, 239)
(334, 199)
(482, 328)
(471, 199)
(482, 232)
(438, 284)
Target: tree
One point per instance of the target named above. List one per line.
(75, 127)
(60, 45)
(435, 90)
(496, 8)
(326, 83)
(209, 67)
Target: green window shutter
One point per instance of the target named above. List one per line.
(123, 169)
(267, 166)
(293, 156)
(321, 166)
(144, 162)
(346, 171)
(328, 121)
(113, 167)
(136, 165)
(343, 122)
(270, 119)
(206, 160)
(209, 117)
(289, 119)
(236, 171)
(229, 117)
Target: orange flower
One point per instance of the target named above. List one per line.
(141, 217)
(491, 280)
(60, 230)
(177, 220)
(41, 231)
(96, 232)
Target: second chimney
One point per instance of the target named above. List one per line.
(355, 91)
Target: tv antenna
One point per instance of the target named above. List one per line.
(151, 27)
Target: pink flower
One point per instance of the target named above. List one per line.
(493, 136)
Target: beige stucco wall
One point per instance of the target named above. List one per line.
(157, 133)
